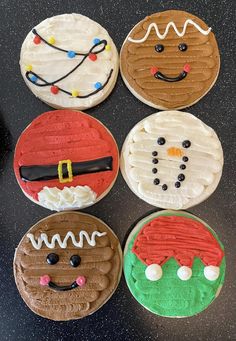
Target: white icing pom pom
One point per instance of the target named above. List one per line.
(184, 273)
(211, 272)
(153, 272)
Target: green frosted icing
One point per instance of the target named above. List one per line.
(170, 296)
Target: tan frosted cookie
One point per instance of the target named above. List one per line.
(170, 60)
(172, 159)
(69, 61)
(67, 266)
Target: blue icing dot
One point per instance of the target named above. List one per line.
(71, 54)
(96, 41)
(33, 78)
(98, 85)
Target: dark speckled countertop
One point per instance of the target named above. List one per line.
(122, 318)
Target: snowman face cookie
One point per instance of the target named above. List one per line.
(66, 159)
(67, 266)
(172, 160)
(170, 60)
(69, 61)
(174, 264)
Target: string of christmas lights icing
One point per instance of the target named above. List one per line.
(34, 77)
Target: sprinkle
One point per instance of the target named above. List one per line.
(54, 89)
(108, 47)
(28, 67)
(71, 54)
(93, 57)
(51, 40)
(74, 93)
(33, 78)
(96, 41)
(98, 85)
(37, 40)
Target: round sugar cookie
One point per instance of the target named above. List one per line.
(67, 266)
(66, 160)
(174, 264)
(171, 159)
(170, 60)
(69, 61)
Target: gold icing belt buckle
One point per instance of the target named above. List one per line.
(69, 170)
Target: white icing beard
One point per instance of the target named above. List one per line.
(72, 32)
(67, 198)
(203, 168)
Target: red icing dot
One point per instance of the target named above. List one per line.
(81, 280)
(54, 89)
(93, 57)
(187, 68)
(44, 280)
(153, 70)
(37, 40)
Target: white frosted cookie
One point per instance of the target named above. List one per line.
(69, 61)
(172, 159)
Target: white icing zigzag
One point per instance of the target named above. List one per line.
(162, 36)
(37, 244)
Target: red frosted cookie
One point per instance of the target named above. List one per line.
(66, 160)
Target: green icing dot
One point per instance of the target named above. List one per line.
(170, 296)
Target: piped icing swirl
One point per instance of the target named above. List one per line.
(146, 174)
(66, 198)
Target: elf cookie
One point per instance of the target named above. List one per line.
(172, 160)
(170, 60)
(69, 61)
(174, 264)
(67, 266)
(66, 160)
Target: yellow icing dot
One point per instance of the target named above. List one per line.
(28, 67)
(51, 40)
(108, 47)
(74, 93)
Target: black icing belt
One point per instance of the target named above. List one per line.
(50, 172)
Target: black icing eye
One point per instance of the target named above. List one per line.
(75, 261)
(52, 258)
(183, 47)
(186, 143)
(161, 141)
(159, 48)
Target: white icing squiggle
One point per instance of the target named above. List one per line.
(170, 24)
(67, 198)
(37, 244)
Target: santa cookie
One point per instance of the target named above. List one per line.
(67, 266)
(69, 61)
(170, 60)
(66, 160)
(172, 160)
(174, 264)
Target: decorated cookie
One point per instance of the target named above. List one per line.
(69, 61)
(66, 160)
(174, 264)
(172, 159)
(67, 266)
(170, 60)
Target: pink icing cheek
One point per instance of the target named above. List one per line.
(81, 280)
(44, 280)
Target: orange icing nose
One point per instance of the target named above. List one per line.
(173, 151)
